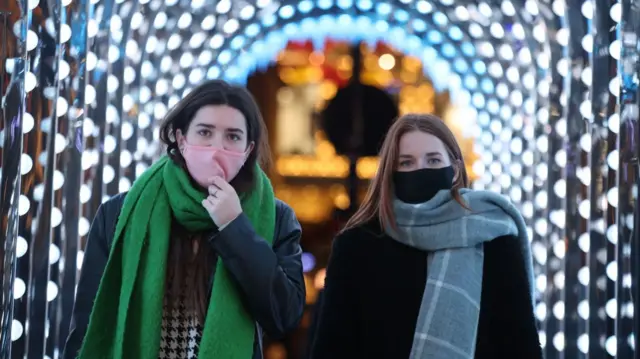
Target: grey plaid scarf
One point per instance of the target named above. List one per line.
(453, 237)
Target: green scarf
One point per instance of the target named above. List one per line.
(127, 314)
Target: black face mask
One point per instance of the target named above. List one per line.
(421, 185)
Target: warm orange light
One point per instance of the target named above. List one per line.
(316, 58)
(320, 277)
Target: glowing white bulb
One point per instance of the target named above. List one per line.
(32, 40)
(19, 288)
(65, 33)
(54, 253)
(85, 193)
(231, 26)
(56, 217)
(24, 204)
(16, 330)
(83, 226)
(52, 291)
(30, 81)
(108, 174)
(27, 122)
(26, 164)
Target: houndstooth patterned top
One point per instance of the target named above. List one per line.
(181, 333)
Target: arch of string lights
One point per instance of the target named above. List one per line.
(552, 86)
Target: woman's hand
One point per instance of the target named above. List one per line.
(223, 203)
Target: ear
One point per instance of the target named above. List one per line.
(180, 140)
(250, 148)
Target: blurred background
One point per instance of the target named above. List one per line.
(542, 96)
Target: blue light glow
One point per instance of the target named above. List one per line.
(382, 26)
(213, 72)
(493, 106)
(237, 42)
(290, 29)
(455, 82)
(345, 4)
(325, 4)
(269, 20)
(460, 65)
(440, 19)
(452, 74)
(448, 50)
(487, 86)
(401, 16)
(365, 5)
(434, 37)
(455, 33)
(224, 57)
(414, 44)
(252, 30)
(479, 67)
(286, 12)
(419, 25)
(305, 6)
(424, 7)
(468, 49)
(478, 100)
(471, 82)
(383, 9)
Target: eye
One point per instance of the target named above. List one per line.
(204, 133)
(405, 163)
(434, 161)
(234, 137)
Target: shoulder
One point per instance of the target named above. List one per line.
(285, 214)
(287, 224)
(114, 203)
(505, 249)
(107, 216)
(283, 208)
(508, 265)
(352, 239)
(110, 209)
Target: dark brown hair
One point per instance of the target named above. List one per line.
(378, 201)
(189, 259)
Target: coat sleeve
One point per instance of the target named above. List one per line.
(270, 277)
(95, 260)
(337, 327)
(509, 314)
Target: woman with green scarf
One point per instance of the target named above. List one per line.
(199, 257)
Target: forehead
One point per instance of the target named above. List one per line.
(417, 143)
(221, 116)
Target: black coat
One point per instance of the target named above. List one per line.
(374, 288)
(270, 277)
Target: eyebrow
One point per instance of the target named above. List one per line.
(429, 154)
(230, 129)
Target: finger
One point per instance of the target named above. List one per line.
(212, 201)
(207, 204)
(213, 189)
(221, 183)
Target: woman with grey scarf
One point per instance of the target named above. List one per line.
(427, 268)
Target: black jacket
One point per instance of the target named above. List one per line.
(374, 288)
(270, 276)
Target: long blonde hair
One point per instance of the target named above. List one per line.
(378, 201)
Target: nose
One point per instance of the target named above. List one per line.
(421, 164)
(217, 140)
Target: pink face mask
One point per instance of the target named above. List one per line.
(205, 162)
